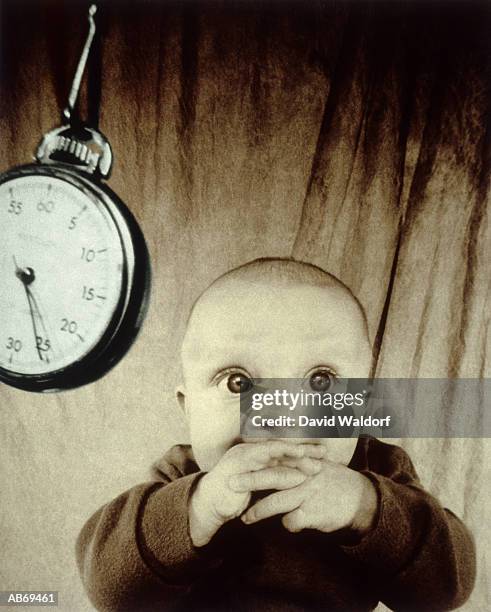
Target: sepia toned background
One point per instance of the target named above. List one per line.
(351, 135)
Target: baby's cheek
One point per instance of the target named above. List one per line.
(209, 450)
(213, 431)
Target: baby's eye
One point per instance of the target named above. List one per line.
(239, 383)
(233, 381)
(322, 380)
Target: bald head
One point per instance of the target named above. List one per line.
(281, 270)
(266, 294)
(278, 272)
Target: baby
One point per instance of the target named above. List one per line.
(276, 524)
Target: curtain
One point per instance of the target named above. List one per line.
(351, 135)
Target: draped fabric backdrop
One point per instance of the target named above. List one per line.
(353, 136)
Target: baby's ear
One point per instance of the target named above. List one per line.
(181, 397)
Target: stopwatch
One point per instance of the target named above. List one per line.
(74, 267)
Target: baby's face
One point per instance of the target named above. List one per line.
(261, 331)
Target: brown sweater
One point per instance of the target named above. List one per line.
(135, 553)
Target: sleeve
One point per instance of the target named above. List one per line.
(419, 554)
(135, 553)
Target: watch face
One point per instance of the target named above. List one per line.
(62, 273)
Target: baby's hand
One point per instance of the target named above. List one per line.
(225, 492)
(335, 498)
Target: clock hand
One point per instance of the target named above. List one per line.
(17, 269)
(33, 319)
(27, 276)
(47, 342)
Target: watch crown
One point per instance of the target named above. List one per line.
(83, 148)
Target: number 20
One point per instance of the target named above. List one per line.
(68, 326)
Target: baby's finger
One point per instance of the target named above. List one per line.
(269, 478)
(294, 448)
(316, 451)
(259, 455)
(249, 457)
(276, 503)
(307, 465)
(295, 521)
